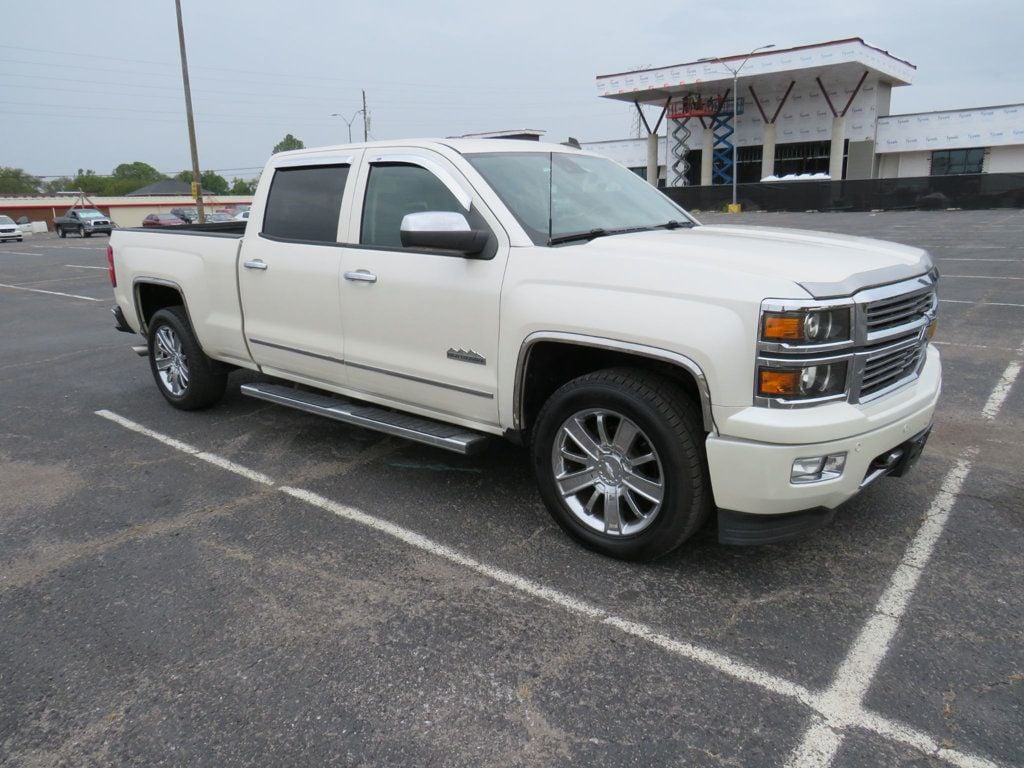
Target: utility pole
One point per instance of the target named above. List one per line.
(366, 122)
(197, 183)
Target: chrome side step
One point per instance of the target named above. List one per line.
(416, 428)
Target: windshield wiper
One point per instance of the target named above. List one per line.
(674, 224)
(578, 236)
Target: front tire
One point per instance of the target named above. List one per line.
(619, 459)
(185, 376)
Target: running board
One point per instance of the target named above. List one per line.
(416, 428)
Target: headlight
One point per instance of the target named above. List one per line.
(801, 383)
(818, 326)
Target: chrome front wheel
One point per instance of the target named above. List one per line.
(618, 455)
(608, 472)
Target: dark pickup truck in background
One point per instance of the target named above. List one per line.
(84, 222)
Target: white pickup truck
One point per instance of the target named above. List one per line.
(658, 369)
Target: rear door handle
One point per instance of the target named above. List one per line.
(255, 264)
(361, 276)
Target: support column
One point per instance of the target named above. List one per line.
(768, 151)
(652, 159)
(706, 164)
(835, 157)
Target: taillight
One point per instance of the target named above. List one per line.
(110, 266)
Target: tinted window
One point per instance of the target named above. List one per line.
(946, 162)
(395, 190)
(305, 203)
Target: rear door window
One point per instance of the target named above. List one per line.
(305, 203)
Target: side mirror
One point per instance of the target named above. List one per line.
(442, 230)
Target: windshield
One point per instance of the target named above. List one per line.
(6, 219)
(89, 214)
(556, 195)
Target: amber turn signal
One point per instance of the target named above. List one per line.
(783, 328)
(777, 382)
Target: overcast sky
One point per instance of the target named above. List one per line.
(92, 85)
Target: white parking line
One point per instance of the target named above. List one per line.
(980, 303)
(177, 445)
(984, 277)
(829, 714)
(83, 266)
(52, 293)
(842, 703)
(1002, 389)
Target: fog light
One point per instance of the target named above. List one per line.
(815, 469)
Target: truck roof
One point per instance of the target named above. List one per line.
(462, 146)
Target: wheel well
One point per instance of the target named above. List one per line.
(553, 363)
(153, 297)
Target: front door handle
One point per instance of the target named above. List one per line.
(255, 264)
(361, 276)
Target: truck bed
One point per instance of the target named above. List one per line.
(233, 229)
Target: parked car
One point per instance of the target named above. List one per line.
(163, 220)
(8, 229)
(217, 216)
(242, 216)
(659, 370)
(85, 221)
(190, 215)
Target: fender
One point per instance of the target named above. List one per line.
(640, 350)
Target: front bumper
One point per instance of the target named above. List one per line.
(753, 477)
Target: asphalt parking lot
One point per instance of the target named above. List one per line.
(251, 585)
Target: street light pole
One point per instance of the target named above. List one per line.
(348, 121)
(735, 90)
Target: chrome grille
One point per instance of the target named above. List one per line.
(890, 367)
(898, 310)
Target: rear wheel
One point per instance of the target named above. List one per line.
(61, 232)
(619, 459)
(185, 376)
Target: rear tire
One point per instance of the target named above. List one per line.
(185, 376)
(61, 232)
(619, 459)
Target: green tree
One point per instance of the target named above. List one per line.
(289, 142)
(214, 182)
(210, 181)
(88, 181)
(14, 181)
(138, 171)
(242, 187)
(62, 184)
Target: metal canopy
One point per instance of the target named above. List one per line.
(772, 69)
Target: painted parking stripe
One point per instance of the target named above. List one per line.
(1002, 389)
(983, 277)
(980, 303)
(84, 266)
(824, 711)
(51, 293)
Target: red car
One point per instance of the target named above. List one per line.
(162, 220)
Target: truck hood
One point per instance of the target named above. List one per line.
(824, 265)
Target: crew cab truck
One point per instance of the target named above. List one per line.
(85, 222)
(659, 370)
